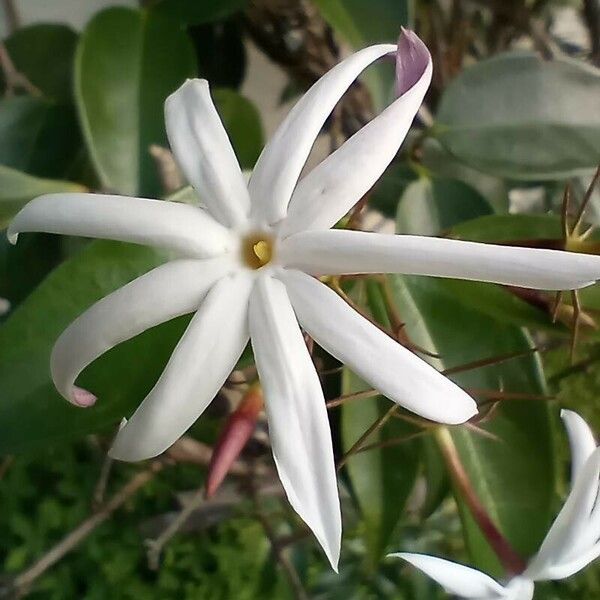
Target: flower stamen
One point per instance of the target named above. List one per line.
(257, 250)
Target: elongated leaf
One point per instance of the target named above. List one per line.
(30, 48)
(497, 116)
(17, 188)
(513, 474)
(128, 62)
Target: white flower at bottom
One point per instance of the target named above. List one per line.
(246, 268)
(571, 544)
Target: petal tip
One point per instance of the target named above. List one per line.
(12, 236)
(412, 60)
(82, 398)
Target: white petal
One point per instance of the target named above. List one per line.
(173, 289)
(387, 365)
(581, 440)
(328, 192)
(576, 564)
(203, 151)
(341, 251)
(180, 227)
(457, 579)
(281, 162)
(563, 540)
(298, 423)
(202, 360)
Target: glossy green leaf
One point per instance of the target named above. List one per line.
(38, 136)
(520, 116)
(193, 12)
(127, 63)
(242, 122)
(381, 478)
(31, 411)
(513, 474)
(30, 48)
(431, 206)
(17, 188)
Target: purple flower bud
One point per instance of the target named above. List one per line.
(412, 58)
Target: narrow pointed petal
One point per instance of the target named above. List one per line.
(204, 153)
(185, 229)
(341, 251)
(563, 541)
(173, 289)
(387, 365)
(574, 565)
(202, 360)
(298, 422)
(280, 164)
(330, 190)
(455, 578)
(581, 440)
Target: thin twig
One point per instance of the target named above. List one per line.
(100, 489)
(376, 426)
(282, 558)
(156, 545)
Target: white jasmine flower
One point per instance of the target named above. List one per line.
(246, 269)
(571, 544)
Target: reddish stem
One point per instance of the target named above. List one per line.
(510, 559)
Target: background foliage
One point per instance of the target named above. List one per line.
(511, 117)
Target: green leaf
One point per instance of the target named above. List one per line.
(38, 136)
(389, 189)
(509, 228)
(242, 122)
(431, 206)
(127, 63)
(381, 478)
(194, 12)
(17, 188)
(510, 116)
(513, 475)
(30, 47)
(31, 411)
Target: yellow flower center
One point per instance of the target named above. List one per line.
(257, 250)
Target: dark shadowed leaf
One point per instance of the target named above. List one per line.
(242, 122)
(38, 136)
(29, 49)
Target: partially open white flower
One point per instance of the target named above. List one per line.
(246, 268)
(571, 544)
